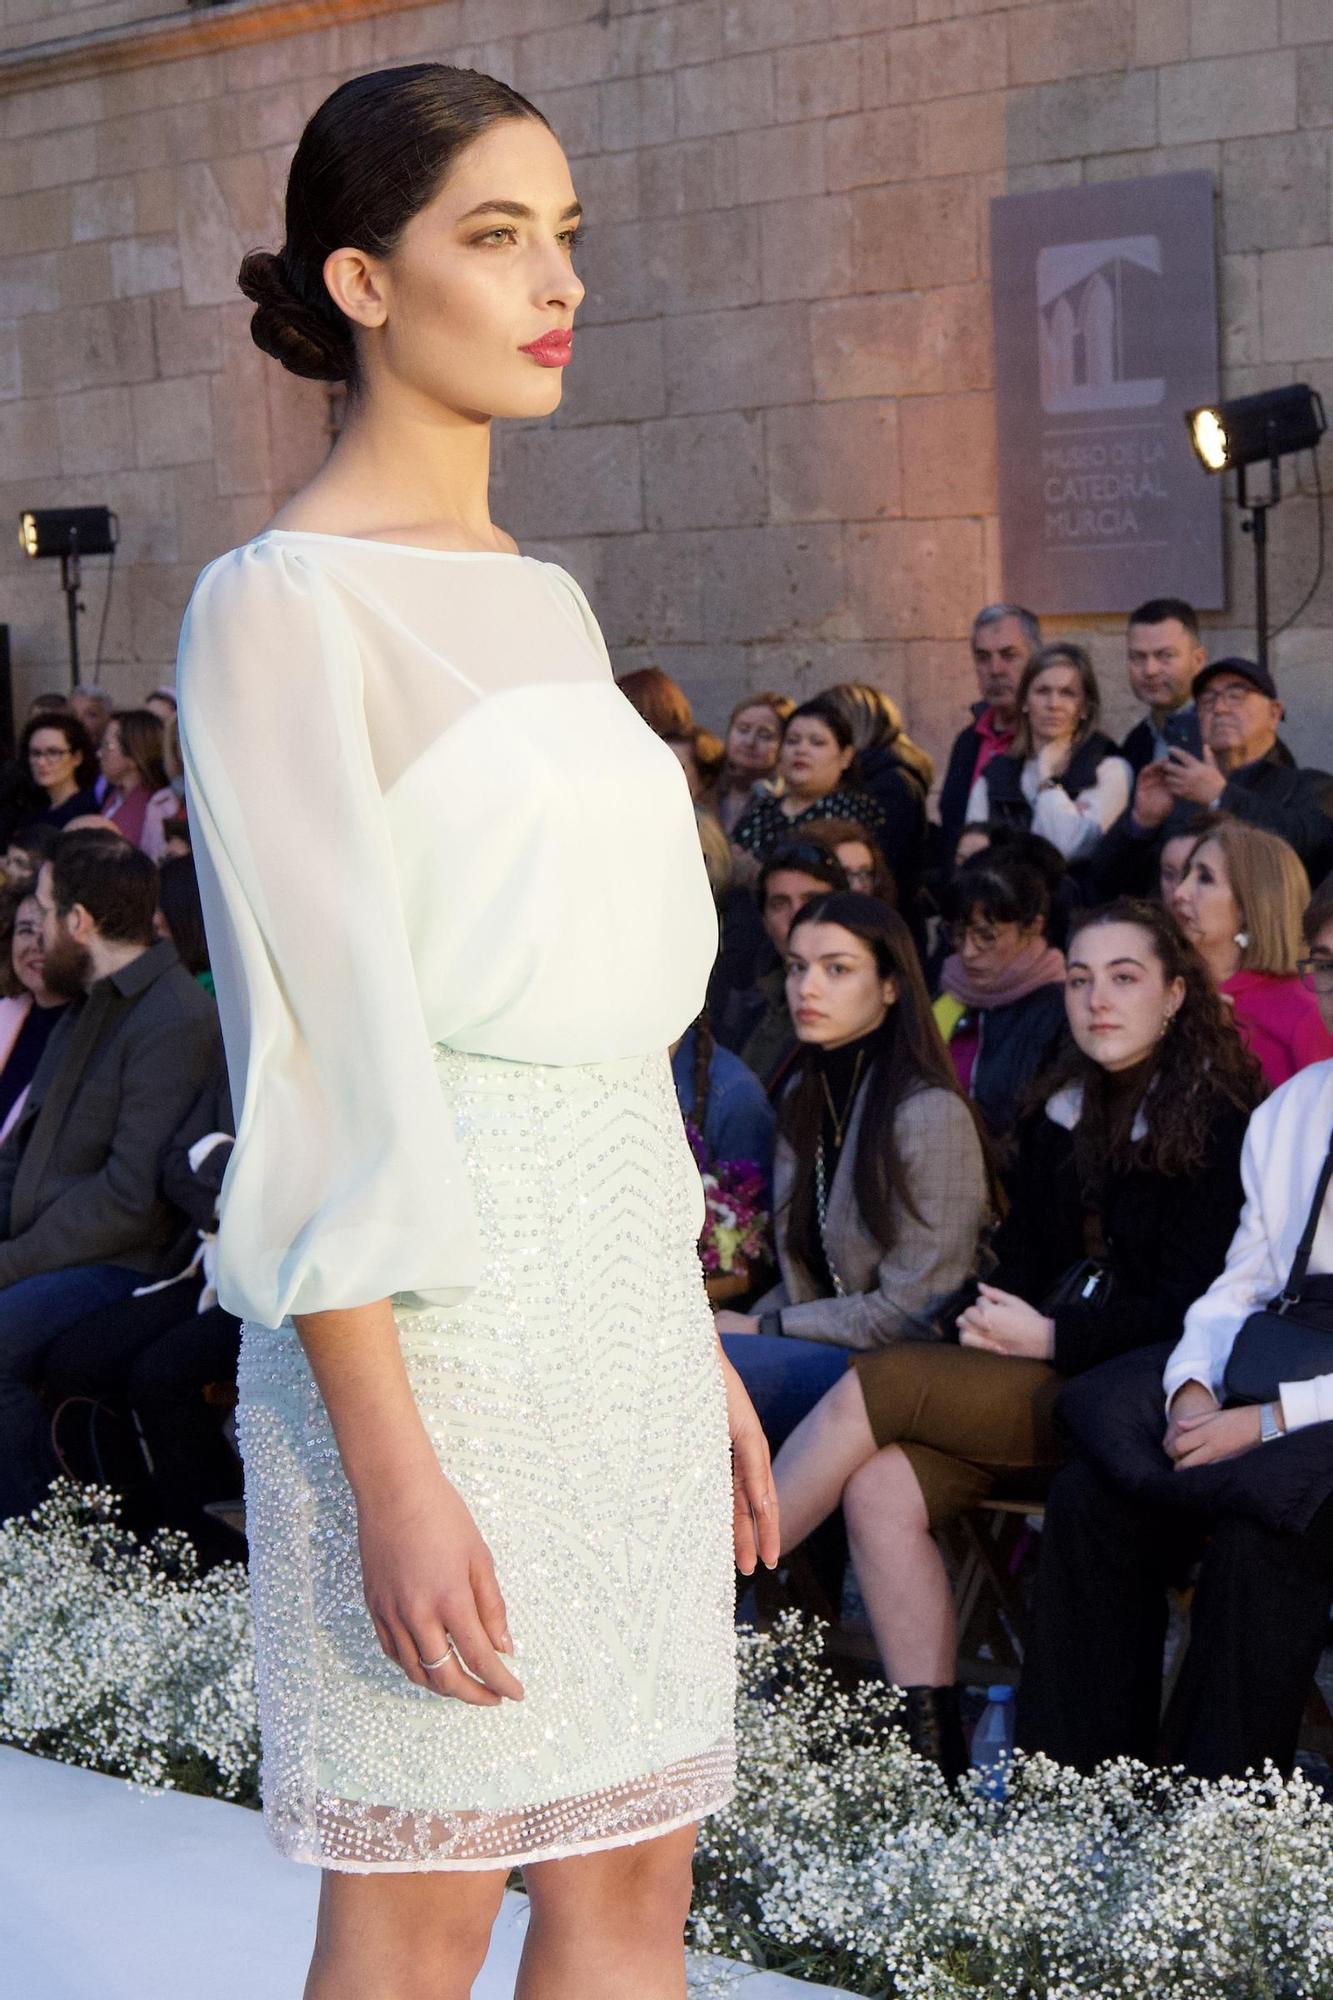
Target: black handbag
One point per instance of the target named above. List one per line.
(1291, 1338)
(1091, 1281)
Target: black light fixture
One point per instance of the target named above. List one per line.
(1247, 431)
(70, 533)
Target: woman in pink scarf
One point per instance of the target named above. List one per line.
(1001, 1007)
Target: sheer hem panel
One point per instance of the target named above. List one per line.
(353, 1837)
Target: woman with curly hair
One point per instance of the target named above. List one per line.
(1124, 1194)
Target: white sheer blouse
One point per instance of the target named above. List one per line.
(422, 813)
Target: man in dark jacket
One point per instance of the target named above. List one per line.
(82, 1216)
(1245, 770)
(1164, 657)
(1004, 638)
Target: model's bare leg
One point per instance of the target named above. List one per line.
(819, 1457)
(901, 1573)
(609, 1926)
(403, 1937)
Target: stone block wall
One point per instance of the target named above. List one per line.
(775, 462)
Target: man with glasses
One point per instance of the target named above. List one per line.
(1245, 770)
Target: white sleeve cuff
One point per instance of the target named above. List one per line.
(1307, 1402)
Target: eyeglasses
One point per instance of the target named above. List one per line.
(1233, 696)
(44, 756)
(1316, 973)
(982, 936)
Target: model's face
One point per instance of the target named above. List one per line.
(50, 759)
(484, 270)
(813, 760)
(1237, 720)
(834, 987)
(1163, 660)
(753, 742)
(1117, 994)
(1204, 902)
(786, 893)
(1054, 705)
(999, 653)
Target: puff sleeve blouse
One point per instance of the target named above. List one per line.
(422, 813)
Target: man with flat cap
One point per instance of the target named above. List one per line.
(1245, 769)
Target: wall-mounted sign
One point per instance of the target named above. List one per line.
(1105, 312)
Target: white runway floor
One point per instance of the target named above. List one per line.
(111, 1894)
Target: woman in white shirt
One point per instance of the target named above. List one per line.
(483, 1410)
(1166, 1466)
(1063, 778)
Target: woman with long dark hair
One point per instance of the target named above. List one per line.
(484, 1414)
(139, 798)
(1123, 1198)
(881, 1182)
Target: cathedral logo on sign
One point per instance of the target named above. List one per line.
(1095, 318)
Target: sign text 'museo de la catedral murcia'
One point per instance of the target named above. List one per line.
(1105, 334)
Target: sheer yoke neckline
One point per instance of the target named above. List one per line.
(395, 548)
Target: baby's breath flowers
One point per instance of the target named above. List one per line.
(843, 1858)
(117, 1655)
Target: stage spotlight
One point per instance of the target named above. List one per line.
(1248, 429)
(1252, 430)
(70, 533)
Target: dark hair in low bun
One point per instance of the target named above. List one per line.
(372, 156)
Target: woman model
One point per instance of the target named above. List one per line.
(1240, 901)
(1063, 777)
(483, 1410)
(1131, 1166)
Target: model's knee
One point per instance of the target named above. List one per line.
(637, 1901)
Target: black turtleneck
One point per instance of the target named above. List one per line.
(843, 1072)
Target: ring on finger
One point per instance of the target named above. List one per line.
(450, 1652)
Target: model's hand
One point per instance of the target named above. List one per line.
(730, 1322)
(1192, 1399)
(1153, 797)
(429, 1579)
(754, 1498)
(1194, 778)
(1004, 1324)
(1214, 1435)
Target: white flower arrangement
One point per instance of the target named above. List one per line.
(117, 1655)
(844, 1858)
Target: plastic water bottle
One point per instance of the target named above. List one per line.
(993, 1740)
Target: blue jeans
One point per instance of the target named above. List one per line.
(785, 1378)
(33, 1313)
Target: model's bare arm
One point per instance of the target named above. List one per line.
(428, 1574)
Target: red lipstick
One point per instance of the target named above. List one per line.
(553, 349)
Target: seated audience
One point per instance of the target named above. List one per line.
(29, 1010)
(724, 1101)
(180, 917)
(1165, 1474)
(750, 753)
(664, 705)
(1174, 855)
(867, 872)
(94, 708)
(1164, 657)
(161, 1350)
(1004, 638)
(1123, 1199)
(57, 752)
(1239, 902)
(82, 1216)
(1001, 1008)
(898, 774)
(28, 848)
(1063, 778)
(138, 798)
(817, 766)
(757, 1021)
(881, 1181)
(1246, 770)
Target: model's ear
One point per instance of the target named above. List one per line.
(356, 284)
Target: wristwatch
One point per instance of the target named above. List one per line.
(1270, 1424)
(770, 1323)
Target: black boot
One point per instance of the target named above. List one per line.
(935, 1727)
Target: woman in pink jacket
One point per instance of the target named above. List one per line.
(1240, 902)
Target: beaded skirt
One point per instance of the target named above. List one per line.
(575, 1400)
